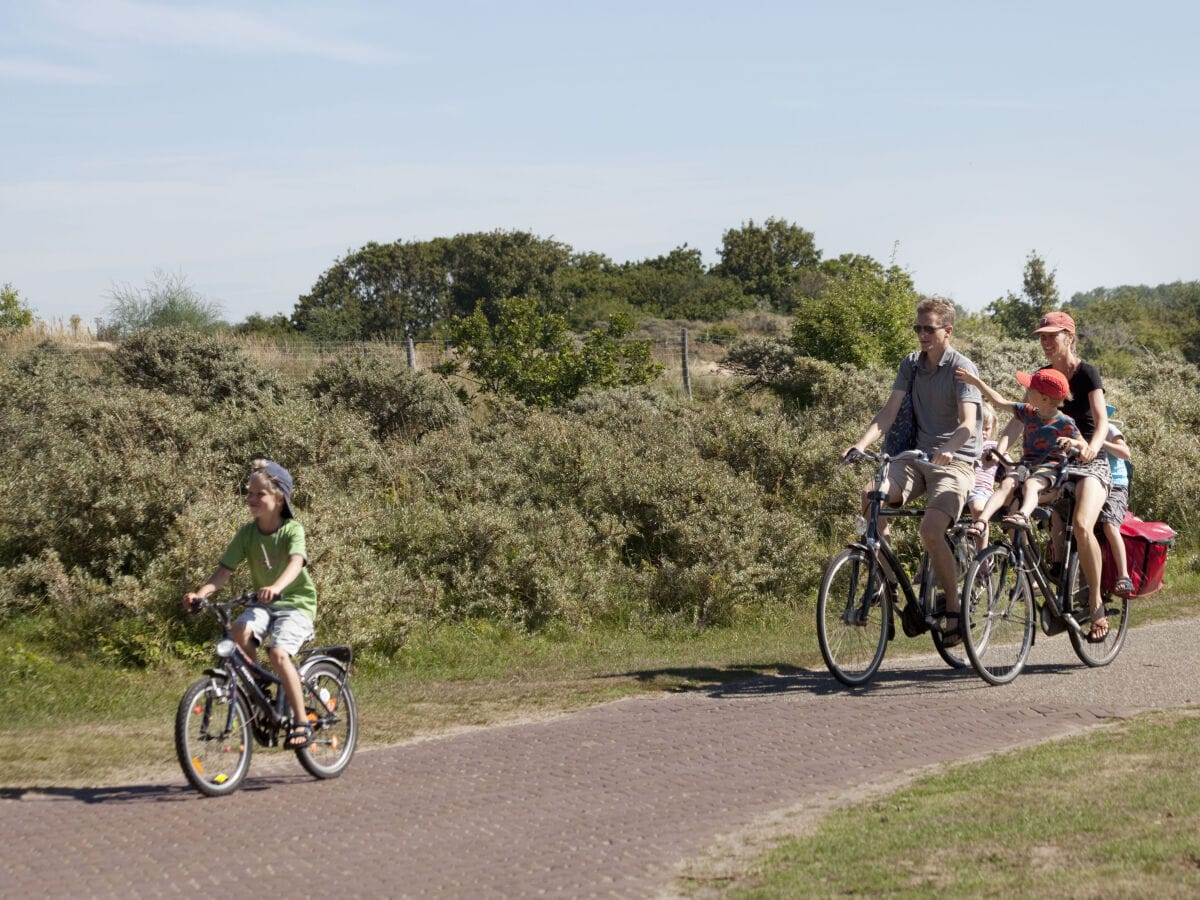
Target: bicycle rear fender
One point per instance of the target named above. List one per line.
(340, 656)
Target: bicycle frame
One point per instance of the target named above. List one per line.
(1025, 548)
(244, 676)
(878, 545)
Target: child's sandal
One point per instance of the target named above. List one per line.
(298, 738)
(1018, 520)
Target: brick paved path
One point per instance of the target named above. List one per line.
(605, 802)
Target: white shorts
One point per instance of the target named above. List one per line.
(288, 628)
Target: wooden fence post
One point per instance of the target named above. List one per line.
(687, 373)
(410, 353)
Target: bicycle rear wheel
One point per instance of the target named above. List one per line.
(333, 717)
(1115, 608)
(852, 628)
(998, 616)
(214, 748)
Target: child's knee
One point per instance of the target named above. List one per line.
(279, 657)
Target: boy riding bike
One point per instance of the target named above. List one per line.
(273, 546)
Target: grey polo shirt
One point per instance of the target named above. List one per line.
(936, 395)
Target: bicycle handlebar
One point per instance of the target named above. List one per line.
(854, 455)
(203, 603)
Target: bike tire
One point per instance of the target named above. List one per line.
(998, 616)
(335, 734)
(852, 643)
(1116, 609)
(214, 763)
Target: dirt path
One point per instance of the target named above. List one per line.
(606, 802)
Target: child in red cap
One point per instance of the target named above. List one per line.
(1048, 433)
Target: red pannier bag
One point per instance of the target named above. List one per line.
(1146, 546)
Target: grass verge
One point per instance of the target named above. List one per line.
(1112, 813)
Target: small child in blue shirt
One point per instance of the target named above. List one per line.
(1117, 503)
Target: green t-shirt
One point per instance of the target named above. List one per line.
(268, 556)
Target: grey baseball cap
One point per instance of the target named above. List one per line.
(282, 479)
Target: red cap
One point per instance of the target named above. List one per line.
(1055, 321)
(1050, 382)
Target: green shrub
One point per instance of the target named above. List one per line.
(205, 369)
(625, 505)
(394, 399)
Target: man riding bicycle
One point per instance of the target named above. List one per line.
(947, 417)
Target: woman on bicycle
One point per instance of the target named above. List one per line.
(273, 546)
(1090, 470)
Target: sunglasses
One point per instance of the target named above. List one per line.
(926, 329)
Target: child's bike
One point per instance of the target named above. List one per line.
(240, 703)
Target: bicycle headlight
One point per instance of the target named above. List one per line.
(225, 648)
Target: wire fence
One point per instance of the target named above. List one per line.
(684, 361)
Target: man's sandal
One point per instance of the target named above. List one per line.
(1101, 625)
(977, 528)
(298, 738)
(950, 633)
(1123, 587)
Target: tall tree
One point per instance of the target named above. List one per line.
(1017, 315)
(380, 290)
(488, 266)
(411, 288)
(677, 286)
(776, 261)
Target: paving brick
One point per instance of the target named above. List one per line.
(603, 803)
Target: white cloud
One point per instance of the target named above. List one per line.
(207, 27)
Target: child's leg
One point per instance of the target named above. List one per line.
(977, 507)
(281, 662)
(1116, 545)
(1034, 485)
(999, 497)
(289, 630)
(247, 630)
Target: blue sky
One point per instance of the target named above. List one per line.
(249, 145)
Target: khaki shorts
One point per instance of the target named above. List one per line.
(947, 486)
(288, 628)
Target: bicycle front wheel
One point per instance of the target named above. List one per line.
(333, 717)
(852, 628)
(212, 740)
(1116, 609)
(997, 616)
